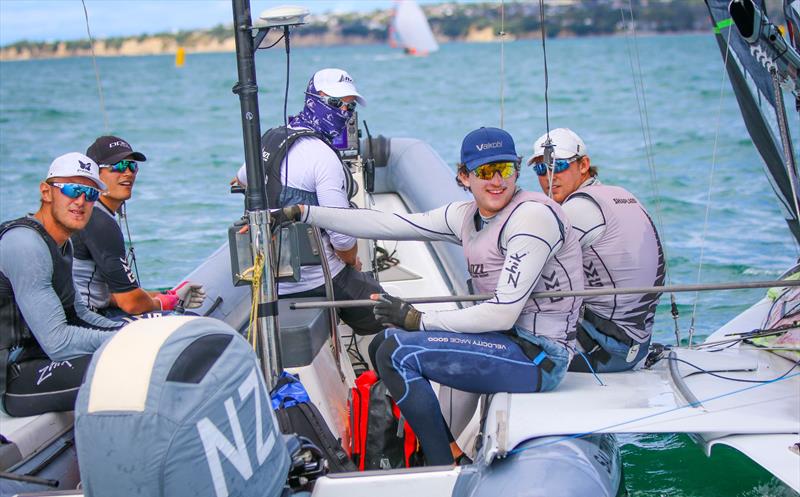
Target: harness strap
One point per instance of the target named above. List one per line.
(534, 352)
(594, 352)
(608, 328)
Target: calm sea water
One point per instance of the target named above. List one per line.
(187, 122)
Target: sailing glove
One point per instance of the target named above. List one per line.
(282, 217)
(187, 295)
(190, 294)
(394, 311)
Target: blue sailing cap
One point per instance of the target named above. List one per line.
(485, 145)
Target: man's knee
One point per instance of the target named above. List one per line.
(383, 355)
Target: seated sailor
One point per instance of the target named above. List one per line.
(515, 242)
(621, 249)
(311, 172)
(47, 334)
(102, 268)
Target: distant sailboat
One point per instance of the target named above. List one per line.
(409, 29)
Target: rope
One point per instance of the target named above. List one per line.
(96, 71)
(783, 377)
(546, 77)
(502, 61)
(710, 187)
(641, 105)
(548, 144)
(123, 214)
(255, 276)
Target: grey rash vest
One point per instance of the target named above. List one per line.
(624, 252)
(27, 265)
(532, 229)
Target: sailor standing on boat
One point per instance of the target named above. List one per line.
(312, 173)
(102, 268)
(621, 249)
(47, 334)
(515, 242)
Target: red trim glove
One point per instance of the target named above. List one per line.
(168, 300)
(190, 294)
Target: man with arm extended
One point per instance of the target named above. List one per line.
(515, 243)
(102, 269)
(303, 167)
(621, 249)
(47, 334)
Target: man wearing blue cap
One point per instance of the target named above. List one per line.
(515, 243)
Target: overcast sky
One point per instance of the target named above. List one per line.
(49, 20)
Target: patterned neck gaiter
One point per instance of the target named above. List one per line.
(320, 116)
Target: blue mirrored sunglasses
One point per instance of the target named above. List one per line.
(122, 165)
(559, 166)
(75, 190)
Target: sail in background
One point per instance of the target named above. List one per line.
(409, 29)
(753, 86)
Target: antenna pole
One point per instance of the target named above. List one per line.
(258, 216)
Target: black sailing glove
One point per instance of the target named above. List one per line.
(394, 311)
(282, 217)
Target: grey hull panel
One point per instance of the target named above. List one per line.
(549, 467)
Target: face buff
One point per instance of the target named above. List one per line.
(319, 116)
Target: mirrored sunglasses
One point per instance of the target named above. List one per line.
(487, 171)
(75, 190)
(559, 166)
(337, 102)
(122, 165)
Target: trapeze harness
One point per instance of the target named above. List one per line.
(628, 254)
(14, 331)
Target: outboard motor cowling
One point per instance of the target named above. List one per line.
(176, 406)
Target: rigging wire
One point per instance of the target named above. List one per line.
(644, 119)
(710, 185)
(123, 215)
(502, 61)
(123, 211)
(604, 429)
(285, 179)
(96, 70)
(546, 77)
(548, 144)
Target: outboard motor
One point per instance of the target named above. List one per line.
(177, 406)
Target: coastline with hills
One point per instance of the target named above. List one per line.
(477, 22)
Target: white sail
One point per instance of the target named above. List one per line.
(410, 29)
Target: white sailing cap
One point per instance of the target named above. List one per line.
(337, 83)
(566, 144)
(75, 164)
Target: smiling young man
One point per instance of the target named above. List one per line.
(621, 249)
(515, 242)
(102, 269)
(47, 334)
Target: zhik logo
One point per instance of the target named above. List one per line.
(86, 166)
